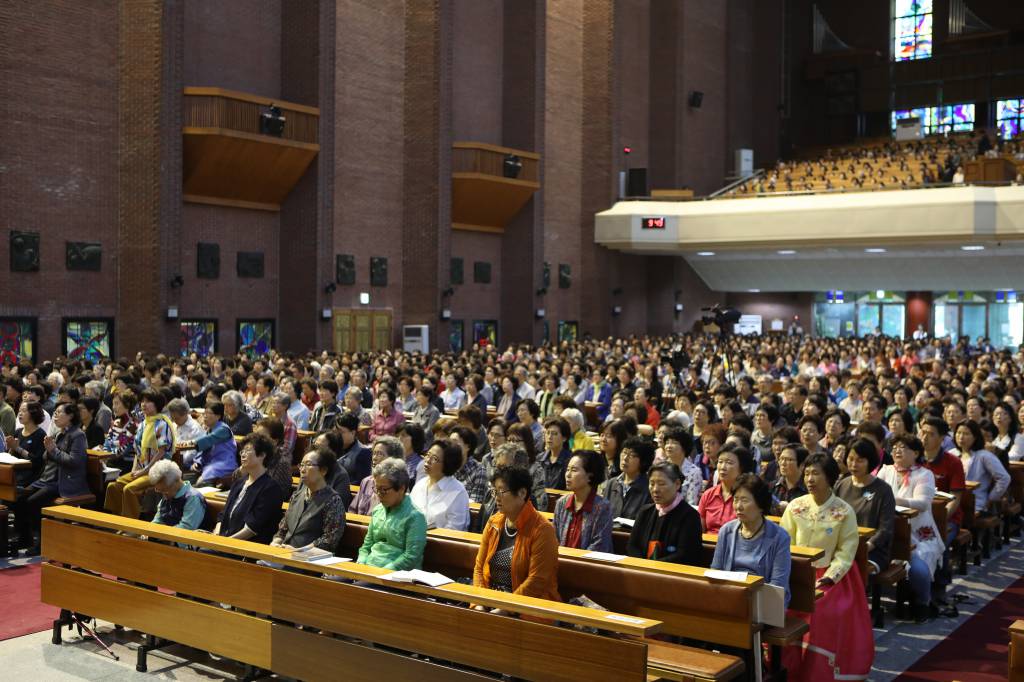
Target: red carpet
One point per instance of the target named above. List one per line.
(976, 651)
(21, 612)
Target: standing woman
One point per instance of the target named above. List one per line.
(583, 519)
(914, 487)
(63, 476)
(153, 442)
(839, 644)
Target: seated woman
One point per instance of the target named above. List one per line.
(520, 434)
(413, 441)
(385, 447)
(153, 442)
(123, 427)
(235, 416)
(181, 505)
(583, 519)
(63, 475)
(790, 483)
(839, 643)
(750, 542)
(281, 470)
(387, 417)
(613, 437)
(496, 432)
(628, 492)
(668, 529)
(677, 447)
(505, 455)
(914, 487)
(340, 481)
(316, 515)
(579, 440)
(216, 452)
(87, 409)
(27, 442)
(425, 414)
(716, 504)
(253, 509)
(442, 499)
(980, 465)
(872, 501)
(518, 551)
(397, 534)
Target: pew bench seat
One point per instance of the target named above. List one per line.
(76, 500)
(684, 663)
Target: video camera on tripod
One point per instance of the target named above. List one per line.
(720, 317)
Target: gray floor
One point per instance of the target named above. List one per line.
(34, 657)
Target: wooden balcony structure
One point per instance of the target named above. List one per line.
(228, 161)
(483, 198)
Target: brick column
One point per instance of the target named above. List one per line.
(140, 269)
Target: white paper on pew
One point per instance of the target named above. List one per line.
(8, 458)
(208, 489)
(734, 576)
(330, 560)
(903, 510)
(944, 496)
(624, 619)
(604, 556)
(622, 521)
(418, 576)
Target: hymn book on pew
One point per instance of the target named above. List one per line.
(418, 576)
(314, 554)
(6, 458)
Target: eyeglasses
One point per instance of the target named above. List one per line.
(380, 491)
(498, 492)
(308, 465)
(430, 459)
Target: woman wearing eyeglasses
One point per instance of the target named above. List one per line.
(316, 514)
(253, 509)
(518, 551)
(439, 495)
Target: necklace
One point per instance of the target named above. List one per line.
(748, 536)
(510, 533)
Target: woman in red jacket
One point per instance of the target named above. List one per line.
(518, 551)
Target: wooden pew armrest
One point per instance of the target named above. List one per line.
(678, 662)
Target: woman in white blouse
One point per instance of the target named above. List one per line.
(914, 487)
(442, 498)
(1009, 440)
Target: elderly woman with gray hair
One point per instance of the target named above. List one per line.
(506, 455)
(385, 447)
(579, 439)
(397, 534)
(316, 514)
(181, 505)
(235, 416)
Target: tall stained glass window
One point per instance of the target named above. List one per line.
(912, 30)
(1009, 117)
(939, 120)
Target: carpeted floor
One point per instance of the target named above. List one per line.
(21, 612)
(976, 651)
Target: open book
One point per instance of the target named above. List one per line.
(418, 576)
(310, 554)
(7, 458)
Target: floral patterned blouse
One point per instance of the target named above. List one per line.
(831, 527)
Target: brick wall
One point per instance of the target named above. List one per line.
(236, 45)
(58, 157)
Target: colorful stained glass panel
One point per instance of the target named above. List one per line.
(255, 337)
(485, 332)
(17, 341)
(1009, 117)
(87, 339)
(199, 337)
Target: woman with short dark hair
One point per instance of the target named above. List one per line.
(583, 519)
(627, 492)
(872, 500)
(839, 641)
(253, 509)
(439, 495)
(87, 410)
(668, 529)
(316, 514)
(751, 542)
(518, 549)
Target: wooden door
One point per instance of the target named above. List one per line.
(360, 330)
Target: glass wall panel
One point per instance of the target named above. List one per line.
(947, 321)
(867, 318)
(892, 320)
(1006, 324)
(832, 320)
(973, 323)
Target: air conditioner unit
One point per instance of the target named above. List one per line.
(416, 337)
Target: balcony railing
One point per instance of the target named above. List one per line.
(240, 112)
(489, 159)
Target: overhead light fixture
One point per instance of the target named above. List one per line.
(364, 298)
(705, 253)
(972, 247)
(874, 249)
(754, 291)
(880, 293)
(785, 252)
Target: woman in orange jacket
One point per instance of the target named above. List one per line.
(518, 551)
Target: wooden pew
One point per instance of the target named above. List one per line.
(981, 528)
(1013, 502)
(1016, 654)
(267, 600)
(895, 574)
(9, 479)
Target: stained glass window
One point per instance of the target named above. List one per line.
(255, 337)
(568, 330)
(912, 29)
(939, 120)
(485, 332)
(456, 333)
(199, 337)
(1009, 117)
(88, 339)
(17, 340)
